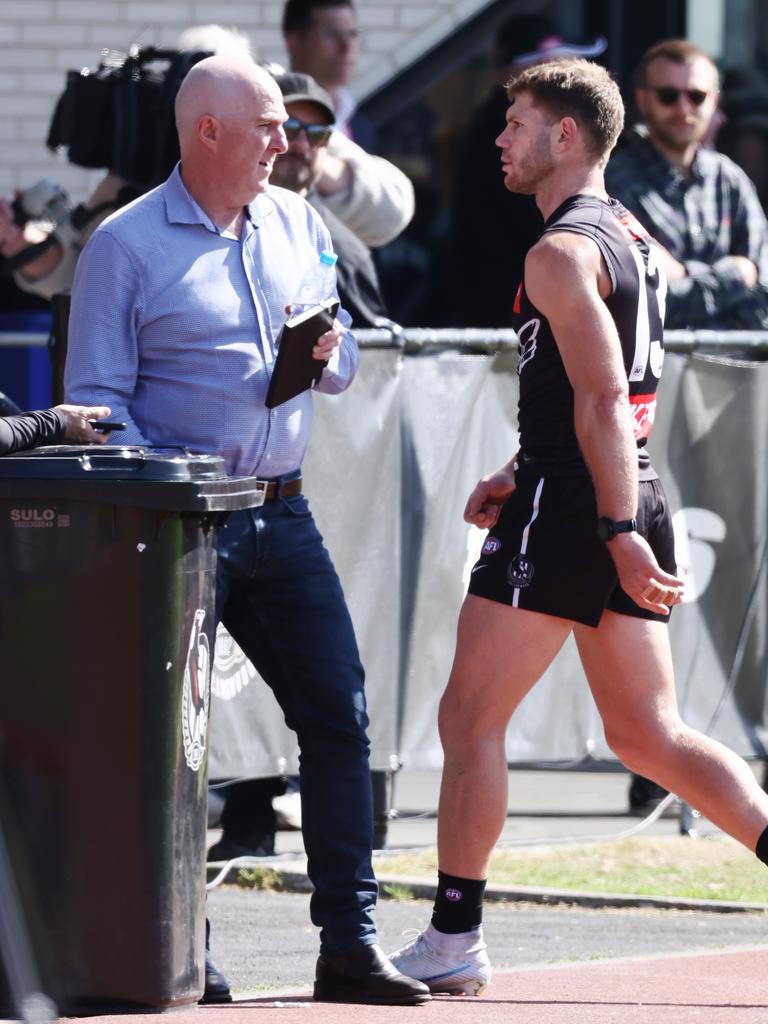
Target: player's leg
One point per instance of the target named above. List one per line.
(500, 654)
(628, 663)
(541, 568)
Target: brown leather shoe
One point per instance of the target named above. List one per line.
(365, 975)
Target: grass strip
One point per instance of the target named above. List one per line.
(711, 868)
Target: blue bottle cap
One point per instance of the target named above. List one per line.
(329, 258)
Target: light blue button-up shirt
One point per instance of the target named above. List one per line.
(175, 323)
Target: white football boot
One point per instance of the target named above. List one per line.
(456, 964)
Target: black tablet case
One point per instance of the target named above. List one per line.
(295, 370)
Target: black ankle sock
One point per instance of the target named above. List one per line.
(762, 846)
(458, 904)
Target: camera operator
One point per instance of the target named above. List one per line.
(51, 267)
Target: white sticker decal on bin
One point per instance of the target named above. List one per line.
(232, 672)
(196, 694)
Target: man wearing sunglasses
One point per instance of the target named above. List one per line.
(699, 205)
(308, 131)
(372, 196)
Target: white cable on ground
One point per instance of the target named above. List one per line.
(249, 862)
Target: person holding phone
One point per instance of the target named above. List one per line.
(78, 424)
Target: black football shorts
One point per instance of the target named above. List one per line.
(544, 555)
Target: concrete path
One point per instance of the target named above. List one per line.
(265, 941)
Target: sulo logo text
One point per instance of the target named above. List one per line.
(40, 517)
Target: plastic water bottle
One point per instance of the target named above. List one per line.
(317, 285)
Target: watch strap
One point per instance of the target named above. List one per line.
(608, 528)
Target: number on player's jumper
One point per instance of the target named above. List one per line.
(651, 304)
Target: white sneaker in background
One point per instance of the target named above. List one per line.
(288, 811)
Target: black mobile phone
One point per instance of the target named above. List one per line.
(102, 426)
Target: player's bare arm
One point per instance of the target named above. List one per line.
(490, 493)
(566, 279)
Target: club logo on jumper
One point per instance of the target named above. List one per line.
(491, 546)
(527, 336)
(454, 895)
(520, 571)
(195, 695)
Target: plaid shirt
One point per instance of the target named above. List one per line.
(703, 222)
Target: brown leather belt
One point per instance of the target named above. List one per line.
(271, 489)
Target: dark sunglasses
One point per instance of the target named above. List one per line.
(317, 134)
(668, 95)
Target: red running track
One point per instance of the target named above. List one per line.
(716, 988)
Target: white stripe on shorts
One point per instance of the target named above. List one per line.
(526, 532)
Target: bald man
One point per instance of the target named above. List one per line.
(177, 305)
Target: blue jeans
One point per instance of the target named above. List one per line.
(278, 594)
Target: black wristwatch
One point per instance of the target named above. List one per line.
(608, 528)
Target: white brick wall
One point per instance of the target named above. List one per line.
(41, 39)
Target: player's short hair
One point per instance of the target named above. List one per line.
(297, 14)
(679, 51)
(576, 88)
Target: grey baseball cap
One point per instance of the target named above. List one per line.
(298, 88)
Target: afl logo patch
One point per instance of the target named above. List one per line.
(520, 571)
(491, 546)
(195, 696)
(454, 895)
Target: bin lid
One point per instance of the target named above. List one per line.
(173, 479)
(110, 462)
